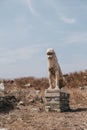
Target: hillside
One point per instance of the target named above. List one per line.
(26, 109)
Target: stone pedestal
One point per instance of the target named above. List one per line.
(56, 100)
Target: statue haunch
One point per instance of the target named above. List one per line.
(54, 71)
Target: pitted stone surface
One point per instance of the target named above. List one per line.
(55, 76)
(56, 100)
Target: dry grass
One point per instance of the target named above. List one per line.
(29, 114)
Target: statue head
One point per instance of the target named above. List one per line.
(50, 52)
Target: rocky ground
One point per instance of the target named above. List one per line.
(25, 107)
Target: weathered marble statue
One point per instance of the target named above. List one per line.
(54, 71)
(56, 98)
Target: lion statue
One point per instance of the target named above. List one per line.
(54, 71)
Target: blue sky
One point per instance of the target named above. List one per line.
(29, 27)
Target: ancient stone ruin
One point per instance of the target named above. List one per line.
(56, 98)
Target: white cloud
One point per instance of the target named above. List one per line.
(17, 55)
(32, 10)
(25, 53)
(61, 11)
(67, 20)
(76, 37)
(20, 19)
(69, 38)
(74, 65)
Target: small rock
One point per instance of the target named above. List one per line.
(31, 101)
(36, 109)
(21, 103)
(3, 129)
(28, 85)
(37, 92)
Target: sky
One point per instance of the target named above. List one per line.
(29, 27)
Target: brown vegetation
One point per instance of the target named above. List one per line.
(28, 112)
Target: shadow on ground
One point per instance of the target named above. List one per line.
(78, 110)
(7, 103)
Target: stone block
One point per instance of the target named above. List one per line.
(56, 100)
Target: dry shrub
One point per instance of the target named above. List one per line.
(78, 96)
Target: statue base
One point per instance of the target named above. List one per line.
(56, 100)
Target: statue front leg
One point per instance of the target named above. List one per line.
(57, 81)
(50, 81)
